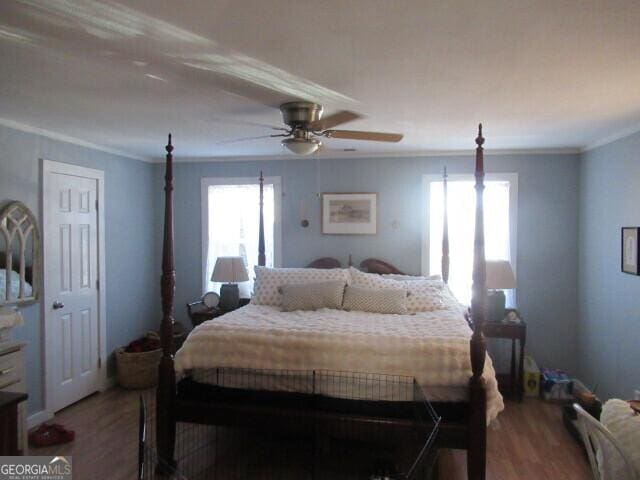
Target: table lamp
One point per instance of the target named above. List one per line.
(229, 271)
(499, 277)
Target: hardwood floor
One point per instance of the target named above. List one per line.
(528, 442)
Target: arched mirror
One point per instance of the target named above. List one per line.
(19, 255)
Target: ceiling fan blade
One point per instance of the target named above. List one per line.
(338, 118)
(358, 135)
(246, 139)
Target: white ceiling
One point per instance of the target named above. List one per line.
(539, 74)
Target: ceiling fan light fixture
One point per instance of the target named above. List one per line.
(302, 146)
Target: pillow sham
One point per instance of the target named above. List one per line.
(409, 278)
(268, 280)
(373, 280)
(426, 295)
(385, 300)
(312, 296)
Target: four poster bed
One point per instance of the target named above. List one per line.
(464, 418)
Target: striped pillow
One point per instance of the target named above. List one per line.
(312, 296)
(375, 300)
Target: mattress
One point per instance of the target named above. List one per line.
(432, 347)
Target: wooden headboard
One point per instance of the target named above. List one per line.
(325, 263)
(370, 265)
(374, 265)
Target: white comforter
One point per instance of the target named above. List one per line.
(433, 347)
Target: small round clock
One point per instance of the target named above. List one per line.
(211, 299)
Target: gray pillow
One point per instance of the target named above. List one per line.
(312, 296)
(384, 300)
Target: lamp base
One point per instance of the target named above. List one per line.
(229, 296)
(495, 306)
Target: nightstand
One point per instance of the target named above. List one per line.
(514, 332)
(13, 379)
(198, 313)
(10, 443)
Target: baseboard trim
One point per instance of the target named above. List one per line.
(107, 383)
(38, 418)
(44, 415)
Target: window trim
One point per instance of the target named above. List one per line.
(512, 178)
(207, 182)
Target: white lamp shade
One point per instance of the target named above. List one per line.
(500, 275)
(230, 270)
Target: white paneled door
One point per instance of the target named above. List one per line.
(70, 204)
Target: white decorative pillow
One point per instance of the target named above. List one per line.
(373, 280)
(408, 278)
(312, 296)
(375, 300)
(268, 280)
(426, 295)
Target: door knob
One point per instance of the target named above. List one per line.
(58, 305)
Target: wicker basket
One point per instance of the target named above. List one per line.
(138, 370)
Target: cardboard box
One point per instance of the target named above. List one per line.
(531, 377)
(556, 385)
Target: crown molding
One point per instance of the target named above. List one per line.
(344, 156)
(23, 127)
(627, 132)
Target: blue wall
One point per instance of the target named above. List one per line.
(547, 227)
(547, 230)
(609, 300)
(130, 260)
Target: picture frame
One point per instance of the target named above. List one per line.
(630, 258)
(349, 213)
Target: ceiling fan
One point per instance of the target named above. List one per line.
(306, 125)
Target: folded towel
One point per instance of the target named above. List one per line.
(10, 318)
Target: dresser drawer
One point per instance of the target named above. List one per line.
(11, 366)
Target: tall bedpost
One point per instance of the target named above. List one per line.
(476, 453)
(262, 259)
(166, 391)
(445, 232)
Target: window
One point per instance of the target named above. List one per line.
(500, 221)
(230, 219)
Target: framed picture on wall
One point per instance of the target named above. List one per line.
(349, 213)
(630, 247)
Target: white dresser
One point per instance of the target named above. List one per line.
(12, 379)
